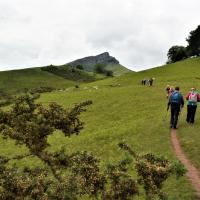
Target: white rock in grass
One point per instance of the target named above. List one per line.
(95, 87)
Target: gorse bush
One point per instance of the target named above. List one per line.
(69, 176)
(41, 90)
(70, 73)
(153, 171)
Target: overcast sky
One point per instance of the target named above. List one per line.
(137, 32)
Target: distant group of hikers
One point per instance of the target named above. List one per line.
(176, 102)
(147, 81)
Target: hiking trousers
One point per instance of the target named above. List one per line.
(191, 110)
(175, 110)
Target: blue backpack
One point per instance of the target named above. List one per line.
(175, 97)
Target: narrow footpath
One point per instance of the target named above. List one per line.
(192, 172)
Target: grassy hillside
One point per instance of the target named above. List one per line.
(125, 110)
(51, 76)
(11, 81)
(118, 69)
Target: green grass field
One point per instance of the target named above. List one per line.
(124, 110)
(118, 70)
(11, 81)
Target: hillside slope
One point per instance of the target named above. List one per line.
(61, 76)
(12, 81)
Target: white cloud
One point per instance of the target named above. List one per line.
(137, 32)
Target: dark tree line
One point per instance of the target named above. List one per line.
(177, 53)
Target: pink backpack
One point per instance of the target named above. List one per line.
(193, 96)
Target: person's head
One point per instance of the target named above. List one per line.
(193, 89)
(177, 88)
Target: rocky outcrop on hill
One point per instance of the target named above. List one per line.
(89, 63)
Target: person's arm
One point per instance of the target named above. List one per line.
(182, 101)
(169, 103)
(198, 98)
(187, 96)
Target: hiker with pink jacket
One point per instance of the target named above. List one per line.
(192, 97)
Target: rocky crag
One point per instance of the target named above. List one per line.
(88, 63)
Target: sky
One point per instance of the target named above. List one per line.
(137, 32)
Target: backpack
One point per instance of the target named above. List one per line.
(175, 97)
(193, 97)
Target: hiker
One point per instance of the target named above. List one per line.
(176, 102)
(192, 97)
(147, 81)
(171, 90)
(151, 82)
(168, 91)
(144, 81)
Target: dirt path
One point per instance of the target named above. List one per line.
(192, 172)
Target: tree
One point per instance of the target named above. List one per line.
(80, 67)
(100, 68)
(193, 40)
(176, 53)
(109, 73)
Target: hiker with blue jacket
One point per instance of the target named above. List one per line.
(192, 97)
(176, 102)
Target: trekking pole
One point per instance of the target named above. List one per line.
(179, 116)
(165, 116)
(181, 110)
